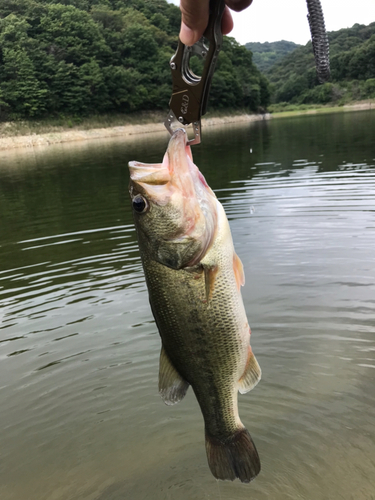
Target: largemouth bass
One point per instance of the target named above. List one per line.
(194, 278)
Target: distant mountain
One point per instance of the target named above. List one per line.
(265, 55)
(352, 55)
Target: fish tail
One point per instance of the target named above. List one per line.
(235, 456)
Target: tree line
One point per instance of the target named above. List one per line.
(267, 54)
(81, 57)
(352, 56)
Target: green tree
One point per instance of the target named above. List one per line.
(88, 56)
(266, 55)
(20, 88)
(352, 54)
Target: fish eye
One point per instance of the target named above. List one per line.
(140, 204)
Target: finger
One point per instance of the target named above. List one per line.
(238, 5)
(194, 20)
(226, 22)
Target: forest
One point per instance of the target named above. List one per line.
(267, 54)
(352, 56)
(82, 57)
(88, 57)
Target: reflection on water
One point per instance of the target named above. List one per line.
(80, 414)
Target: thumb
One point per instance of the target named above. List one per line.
(194, 19)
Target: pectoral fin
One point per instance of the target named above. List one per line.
(172, 387)
(238, 271)
(210, 273)
(251, 375)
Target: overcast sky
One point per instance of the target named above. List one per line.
(273, 20)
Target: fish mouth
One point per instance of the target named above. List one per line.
(149, 173)
(158, 179)
(157, 173)
(178, 149)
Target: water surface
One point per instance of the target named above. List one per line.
(80, 414)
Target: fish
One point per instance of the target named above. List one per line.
(194, 280)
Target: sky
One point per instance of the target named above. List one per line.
(273, 20)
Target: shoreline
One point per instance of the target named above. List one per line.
(127, 132)
(130, 131)
(356, 106)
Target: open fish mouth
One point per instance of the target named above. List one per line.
(160, 173)
(159, 180)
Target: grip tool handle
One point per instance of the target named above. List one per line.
(190, 92)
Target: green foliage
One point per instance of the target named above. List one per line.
(265, 55)
(352, 55)
(369, 87)
(237, 83)
(321, 94)
(21, 91)
(82, 57)
(358, 62)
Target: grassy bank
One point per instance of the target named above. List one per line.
(285, 109)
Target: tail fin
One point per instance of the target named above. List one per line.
(234, 457)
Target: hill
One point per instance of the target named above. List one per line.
(82, 57)
(266, 55)
(352, 54)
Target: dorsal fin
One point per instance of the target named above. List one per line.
(172, 387)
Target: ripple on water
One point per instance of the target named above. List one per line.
(79, 349)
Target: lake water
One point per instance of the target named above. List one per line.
(80, 414)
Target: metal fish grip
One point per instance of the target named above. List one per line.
(190, 92)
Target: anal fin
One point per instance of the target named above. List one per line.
(251, 375)
(172, 387)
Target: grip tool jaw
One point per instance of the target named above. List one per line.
(190, 92)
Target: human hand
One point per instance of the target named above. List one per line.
(194, 18)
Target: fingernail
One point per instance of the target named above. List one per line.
(187, 35)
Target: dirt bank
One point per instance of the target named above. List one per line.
(126, 131)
